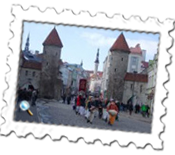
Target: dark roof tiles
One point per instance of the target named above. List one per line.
(32, 65)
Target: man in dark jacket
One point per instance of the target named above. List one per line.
(92, 106)
(100, 108)
(130, 104)
(147, 110)
(64, 97)
(118, 104)
(68, 99)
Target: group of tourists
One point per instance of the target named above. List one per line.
(29, 95)
(108, 110)
(139, 109)
(66, 98)
(91, 107)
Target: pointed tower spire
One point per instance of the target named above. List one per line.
(81, 63)
(97, 57)
(27, 43)
(96, 63)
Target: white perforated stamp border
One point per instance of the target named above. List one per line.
(116, 22)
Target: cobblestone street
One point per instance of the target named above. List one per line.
(54, 112)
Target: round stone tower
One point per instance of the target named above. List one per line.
(118, 62)
(50, 82)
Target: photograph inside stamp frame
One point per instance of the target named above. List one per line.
(86, 77)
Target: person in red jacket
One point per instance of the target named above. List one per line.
(112, 110)
(79, 98)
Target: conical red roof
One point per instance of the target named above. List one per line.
(53, 39)
(120, 44)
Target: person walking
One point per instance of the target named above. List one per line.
(121, 106)
(68, 99)
(130, 104)
(130, 107)
(137, 108)
(112, 110)
(88, 102)
(33, 97)
(74, 103)
(100, 108)
(143, 110)
(105, 113)
(147, 110)
(82, 106)
(64, 97)
(118, 104)
(78, 104)
(92, 109)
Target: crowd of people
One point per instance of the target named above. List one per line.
(91, 107)
(29, 95)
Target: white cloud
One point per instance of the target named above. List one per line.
(99, 40)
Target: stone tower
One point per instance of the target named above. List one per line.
(118, 62)
(51, 83)
(96, 63)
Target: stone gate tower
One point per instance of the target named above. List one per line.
(50, 82)
(118, 62)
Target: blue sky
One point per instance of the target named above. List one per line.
(81, 43)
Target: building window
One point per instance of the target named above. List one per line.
(122, 59)
(131, 87)
(134, 64)
(134, 60)
(141, 87)
(26, 73)
(33, 74)
(115, 70)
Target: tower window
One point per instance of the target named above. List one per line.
(26, 73)
(122, 59)
(33, 74)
